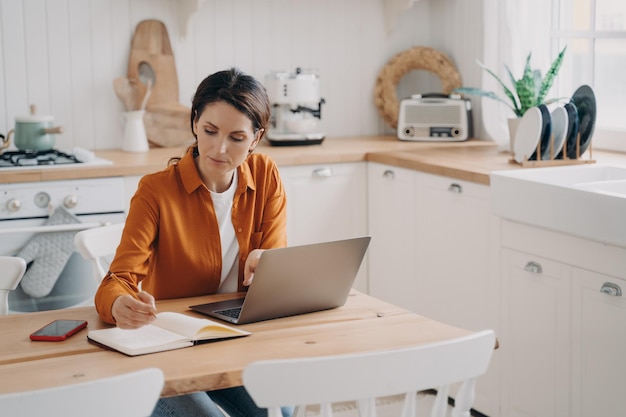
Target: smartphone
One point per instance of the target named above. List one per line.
(58, 330)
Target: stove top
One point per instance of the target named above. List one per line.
(47, 159)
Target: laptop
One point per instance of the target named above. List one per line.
(295, 280)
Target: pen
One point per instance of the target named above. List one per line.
(151, 313)
(125, 284)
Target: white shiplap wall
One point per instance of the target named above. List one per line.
(63, 55)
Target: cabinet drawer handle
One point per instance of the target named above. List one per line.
(323, 172)
(455, 188)
(533, 267)
(609, 288)
(389, 174)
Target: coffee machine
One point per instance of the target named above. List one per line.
(296, 108)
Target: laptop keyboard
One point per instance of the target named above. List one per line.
(230, 312)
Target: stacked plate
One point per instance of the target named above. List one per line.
(555, 134)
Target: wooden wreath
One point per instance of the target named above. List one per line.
(419, 57)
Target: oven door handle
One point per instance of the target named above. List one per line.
(53, 228)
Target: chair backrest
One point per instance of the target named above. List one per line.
(12, 269)
(364, 377)
(97, 243)
(132, 394)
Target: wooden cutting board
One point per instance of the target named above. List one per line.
(166, 120)
(151, 44)
(168, 125)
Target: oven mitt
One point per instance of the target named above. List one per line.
(46, 254)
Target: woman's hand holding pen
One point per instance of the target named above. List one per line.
(132, 313)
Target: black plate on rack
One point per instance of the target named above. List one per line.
(546, 134)
(572, 127)
(585, 101)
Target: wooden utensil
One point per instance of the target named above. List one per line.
(125, 90)
(146, 96)
(147, 77)
(151, 58)
(151, 45)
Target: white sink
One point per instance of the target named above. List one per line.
(571, 174)
(616, 188)
(588, 201)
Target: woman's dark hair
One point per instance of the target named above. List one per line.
(238, 89)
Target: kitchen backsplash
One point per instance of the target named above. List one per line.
(63, 55)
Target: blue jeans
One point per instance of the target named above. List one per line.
(235, 401)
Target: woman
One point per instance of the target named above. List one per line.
(199, 226)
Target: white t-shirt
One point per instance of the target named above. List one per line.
(223, 204)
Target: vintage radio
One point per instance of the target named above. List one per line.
(436, 118)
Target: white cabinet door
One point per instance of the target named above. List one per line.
(535, 336)
(599, 344)
(327, 202)
(452, 251)
(564, 332)
(391, 217)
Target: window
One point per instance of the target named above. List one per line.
(595, 34)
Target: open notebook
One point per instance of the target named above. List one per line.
(295, 280)
(169, 331)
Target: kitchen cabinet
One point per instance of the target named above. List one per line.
(327, 202)
(454, 252)
(534, 337)
(392, 222)
(564, 331)
(430, 249)
(432, 253)
(598, 344)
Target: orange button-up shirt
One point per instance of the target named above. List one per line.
(171, 241)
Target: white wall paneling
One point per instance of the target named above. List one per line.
(59, 76)
(63, 55)
(459, 34)
(14, 60)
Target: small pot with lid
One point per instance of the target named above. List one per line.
(33, 133)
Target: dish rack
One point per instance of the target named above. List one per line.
(557, 162)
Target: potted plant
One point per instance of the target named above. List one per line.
(526, 92)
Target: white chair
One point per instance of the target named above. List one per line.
(12, 269)
(132, 394)
(366, 377)
(98, 243)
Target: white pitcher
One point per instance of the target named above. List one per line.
(135, 139)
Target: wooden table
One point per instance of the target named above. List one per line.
(363, 323)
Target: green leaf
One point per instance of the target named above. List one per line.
(473, 91)
(529, 91)
(514, 98)
(508, 92)
(526, 88)
(554, 100)
(536, 86)
(550, 75)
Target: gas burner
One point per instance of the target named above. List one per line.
(36, 158)
(26, 161)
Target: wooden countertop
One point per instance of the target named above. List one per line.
(471, 160)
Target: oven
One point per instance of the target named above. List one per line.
(25, 211)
